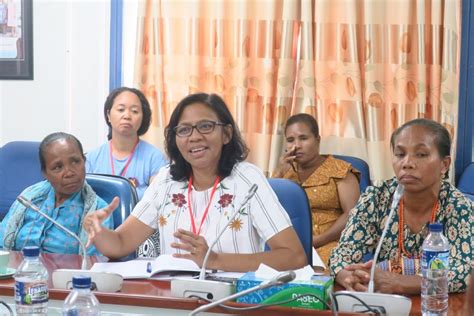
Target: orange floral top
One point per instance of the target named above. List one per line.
(321, 189)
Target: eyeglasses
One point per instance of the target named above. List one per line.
(203, 127)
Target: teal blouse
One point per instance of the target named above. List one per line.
(35, 230)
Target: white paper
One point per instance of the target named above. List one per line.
(133, 269)
(265, 272)
(317, 262)
(229, 275)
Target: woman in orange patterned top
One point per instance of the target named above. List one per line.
(331, 184)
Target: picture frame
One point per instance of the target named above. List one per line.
(16, 40)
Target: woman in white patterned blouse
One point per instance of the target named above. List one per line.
(192, 200)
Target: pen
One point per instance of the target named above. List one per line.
(148, 267)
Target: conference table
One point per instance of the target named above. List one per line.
(152, 297)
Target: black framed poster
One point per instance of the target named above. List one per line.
(16, 39)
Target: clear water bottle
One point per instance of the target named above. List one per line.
(31, 284)
(434, 267)
(81, 301)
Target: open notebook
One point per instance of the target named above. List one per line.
(162, 267)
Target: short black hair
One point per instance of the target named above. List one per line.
(109, 102)
(442, 137)
(233, 152)
(306, 119)
(52, 138)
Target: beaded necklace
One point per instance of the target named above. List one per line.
(401, 245)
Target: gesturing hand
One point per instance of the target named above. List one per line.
(93, 221)
(195, 244)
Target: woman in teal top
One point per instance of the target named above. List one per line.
(64, 196)
(421, 159)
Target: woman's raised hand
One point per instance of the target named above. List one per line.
(93, 221)
(286, 161)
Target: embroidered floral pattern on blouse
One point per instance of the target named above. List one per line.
(225, 202)
(236, 224)
(163, 220)
(226, 199)
(178, 200)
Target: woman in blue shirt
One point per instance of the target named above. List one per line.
(64, 195)
(128, 114)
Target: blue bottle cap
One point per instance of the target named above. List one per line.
(81, 282)
(31, 251)
(436, 227)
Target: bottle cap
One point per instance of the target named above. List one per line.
(436, 227)
(81, 282)
(31, 251)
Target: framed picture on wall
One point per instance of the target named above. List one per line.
(16, 39)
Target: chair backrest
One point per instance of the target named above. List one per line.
(470, 196)
(19, 168)
(466, 181)
(360, 165)
(109, 186)
(294, 200)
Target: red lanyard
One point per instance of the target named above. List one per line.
(193, 225)
(401, 224)
(129, 160)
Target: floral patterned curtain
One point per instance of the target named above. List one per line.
(361, 68)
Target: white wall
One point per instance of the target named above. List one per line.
(130, 13)
(71, 75)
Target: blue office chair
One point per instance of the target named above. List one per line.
(466, 181)
(19, 168)
(360, 165)
(109, 186)
(469, 196)
(294, 200)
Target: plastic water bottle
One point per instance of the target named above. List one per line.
(434, 267)
(81, 301)
(31, 284)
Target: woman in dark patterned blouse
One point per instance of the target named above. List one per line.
(421, 159)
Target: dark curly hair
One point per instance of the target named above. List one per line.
(109, 102)
(52, 138)
(233, 152)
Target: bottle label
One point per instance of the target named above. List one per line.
(435, 260)
(31, 293)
